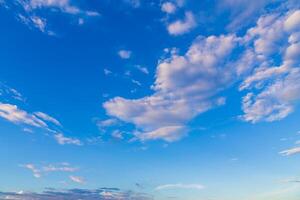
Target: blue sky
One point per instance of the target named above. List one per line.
(158, 99)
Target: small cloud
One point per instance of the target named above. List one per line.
(168, 7)
(133, 3)
(142, 69)
(36, 172)
(117, 135)
(48, 118)
(107, 72)
(61, 139)
(124, 54)
(27, 130)
(180, 186)
(181, 27)
(290, 152)
(42, 170)
(136, 82)
(77, 179)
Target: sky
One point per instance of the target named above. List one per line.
(150, 99)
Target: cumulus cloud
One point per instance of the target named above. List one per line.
(180, 27)
(180, 186)
(265, 61)
(183, 89)
(83, 194)
(275, 88)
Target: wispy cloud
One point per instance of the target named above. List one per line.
(77, 179)
(289, 152)
(30, 13)
(180, 186)
(39, 171)
(61, 139)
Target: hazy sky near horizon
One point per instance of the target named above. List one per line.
(150, 99)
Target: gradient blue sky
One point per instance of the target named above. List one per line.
(154, 99)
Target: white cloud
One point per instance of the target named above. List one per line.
(180, 27)
(180, 186)
(107, 123)
(142, 69)
(182, 90)
(292, 23)
(61, 139)
(167, 133)
(107, 72)
(48, 118)
(15, 115)
(124, 54)
(290, 152)
(133, 3)
(274, 88)
(63, 167)
(168, 7)
(36, 172)
(117, 135)
(31, 16)
(77, 179)
(188, 85)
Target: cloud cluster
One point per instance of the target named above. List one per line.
(265, 61)
(182, 90)
(83, 194)
(29, 12)
(16, 115)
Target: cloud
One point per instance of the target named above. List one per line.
(117, 134)
(48, 118)
(181, 27)
(265, 61)
(107, 72)
(167, 133)
(274, 89)
(180, 186)
(183, 90)
(142, 69)
(30, 14)
(124, 54)
(15, 115)
(290, 152)
(83, 194)
(133, 3)
(77, 179)
(38, 172)
(168, 7)
(241, 12)
(61, 139)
